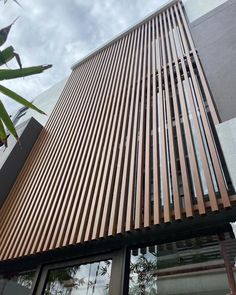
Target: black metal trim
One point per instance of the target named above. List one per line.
(212, 223)
(36, 280)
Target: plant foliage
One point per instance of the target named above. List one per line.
(7, 54)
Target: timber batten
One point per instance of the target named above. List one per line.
(129, 145)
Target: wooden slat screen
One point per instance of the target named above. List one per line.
(128, 145)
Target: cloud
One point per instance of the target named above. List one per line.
(63, 32)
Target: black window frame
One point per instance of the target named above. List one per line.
(117, 271)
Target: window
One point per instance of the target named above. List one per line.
(87, 279)
(194, 266)
(17, 284)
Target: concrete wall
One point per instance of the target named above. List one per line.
(197, 8)
(227, 135)
(215, 38)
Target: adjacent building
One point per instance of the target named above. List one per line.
(129, 187)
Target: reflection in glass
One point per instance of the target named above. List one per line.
(193, 266)
(88, 279)
(19, 284)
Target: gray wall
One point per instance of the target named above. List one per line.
(214, 35)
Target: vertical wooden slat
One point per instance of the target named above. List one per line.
(96, 201)
(147, 166)
(116, 132)
(21, 216)
(209, 135)
(131, 190)
(183, 165)
(81, 193)
(108, 150)
(140, 168)
(15, 203)
(79, 154)
(172, 158)
(119, 166)
(189, 139)
(114, 92)
(116, 128)
(125, 177)
(207, 173)
(164, 167)
(44, 234)
(65, 194)
(40, 205)
(156, 195)
(210, 102)
(10, 203)
(122, 146)
(94, 168)
(70, 217)
(54, 190)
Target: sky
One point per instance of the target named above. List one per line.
(61, 33)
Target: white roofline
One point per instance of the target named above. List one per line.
(122, 34)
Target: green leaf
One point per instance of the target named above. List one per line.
(6, 55)
(19, 99)
(3, 136)
(17, 56)
(13, 74)
(7, 120)
(4, 33)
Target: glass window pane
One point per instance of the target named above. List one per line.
(193, 266)
(19, 284)
(87, 279)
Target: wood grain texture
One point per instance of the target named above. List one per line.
(128, 145)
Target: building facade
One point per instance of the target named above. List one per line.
(129, 187)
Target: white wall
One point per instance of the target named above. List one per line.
(227, 135)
